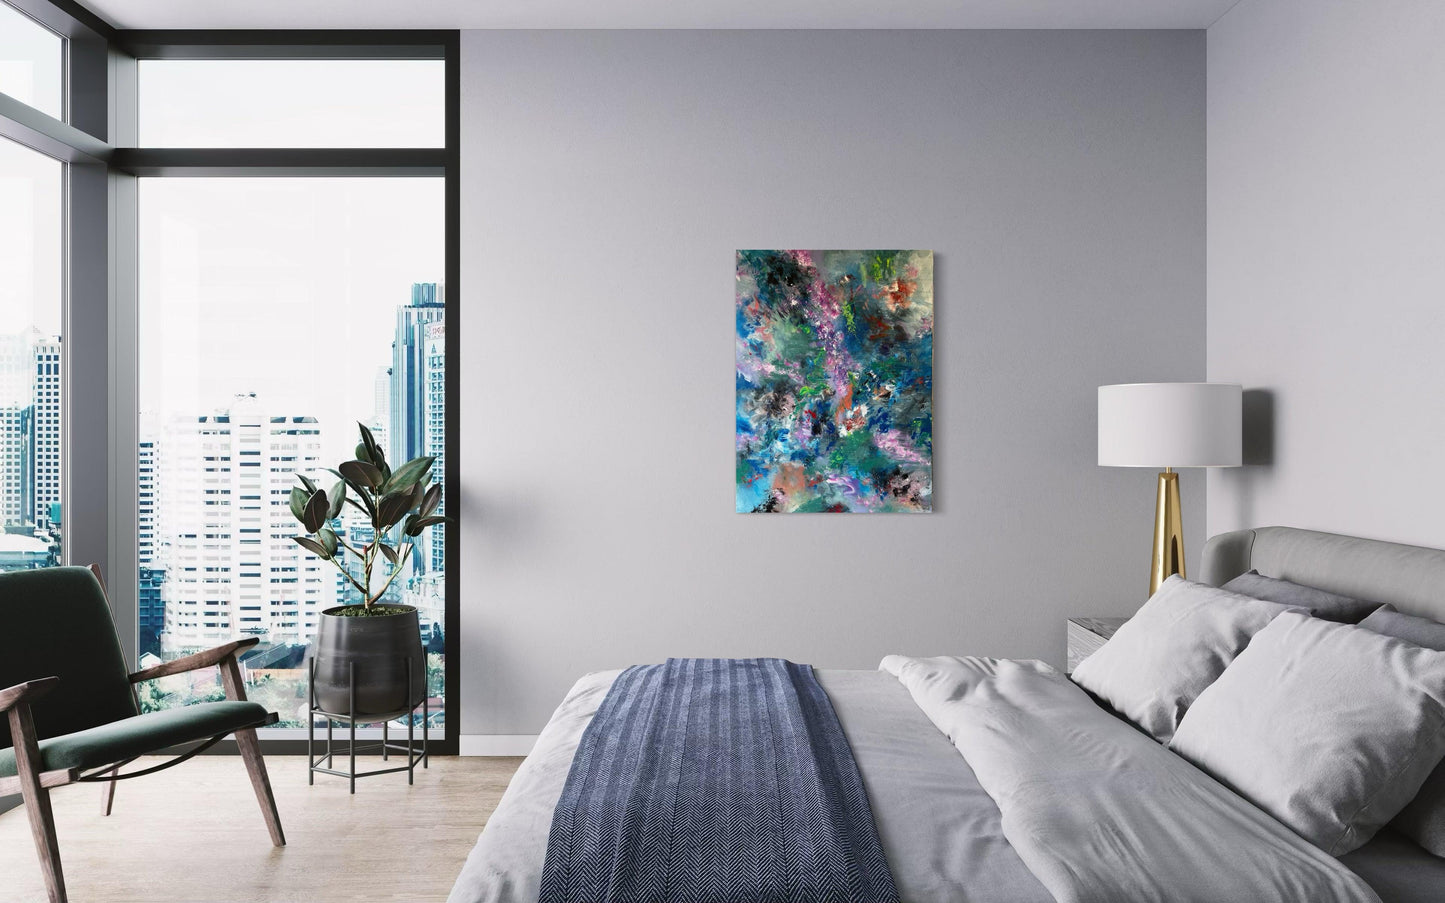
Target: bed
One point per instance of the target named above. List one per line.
(945, 835)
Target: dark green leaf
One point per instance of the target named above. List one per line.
(392, 508)
(415, 525)
(374, 454)
(358, 491)
(306, 481)
(361, 453)
(299, 497)
(409, 474)
(336, 497)
(314, 517)
(430, 501)
(312, 546)
(368, 501)
(328, 541)
(388, 551)
(361, 472)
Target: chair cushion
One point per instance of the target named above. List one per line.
(140, 735)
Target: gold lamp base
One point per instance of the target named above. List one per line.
(1168, 532)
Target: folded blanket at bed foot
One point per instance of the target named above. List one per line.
(723, 780)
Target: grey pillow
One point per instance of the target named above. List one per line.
(1420, 631)
(1423, 820)
(1318, 602)
(1330, 728)
(1174, 647)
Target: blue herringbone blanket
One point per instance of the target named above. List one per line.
(715, 781)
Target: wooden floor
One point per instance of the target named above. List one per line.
(194, 834)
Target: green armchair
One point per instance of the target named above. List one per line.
(72, 712)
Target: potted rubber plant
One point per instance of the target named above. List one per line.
(369, 639)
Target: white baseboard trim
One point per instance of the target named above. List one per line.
(496, 744)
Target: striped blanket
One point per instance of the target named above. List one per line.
(715, 781)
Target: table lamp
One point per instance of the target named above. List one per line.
(1169, 425)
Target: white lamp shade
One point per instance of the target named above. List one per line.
(1170, 425)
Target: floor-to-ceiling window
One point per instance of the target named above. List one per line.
(221, 251)
(32, 208)
(279, 306)
(33, 211)
(276, 315)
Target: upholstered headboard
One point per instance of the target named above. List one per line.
(1411, 578)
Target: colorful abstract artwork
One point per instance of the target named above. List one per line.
(834, 381)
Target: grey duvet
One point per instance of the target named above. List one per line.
(1006, 821)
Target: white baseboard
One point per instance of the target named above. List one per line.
(496, 744)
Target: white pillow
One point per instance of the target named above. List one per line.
(1328, 727)
(1164, 656)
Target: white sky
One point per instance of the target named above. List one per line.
(30, 239)
(283, 287)
(292, 103)
(31, 195)
(31, 61)
(286, 287)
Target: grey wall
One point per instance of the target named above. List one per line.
(608, 178)
(1327, 262)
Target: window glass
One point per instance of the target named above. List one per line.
(31, 217)
(291, 103)
(276, 314)
(32, 62)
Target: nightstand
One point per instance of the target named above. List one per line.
(1086, 635)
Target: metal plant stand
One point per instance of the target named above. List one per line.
(386, 746)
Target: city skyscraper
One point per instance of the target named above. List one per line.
(45, 434)
(231, 565)
(30, 425)
(150, 607)
(16, 401)
(407, 437)
(435, 438)
(418, 398)
(14, 456)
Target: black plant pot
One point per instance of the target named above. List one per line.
(378, 646)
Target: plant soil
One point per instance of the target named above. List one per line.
(375, 611)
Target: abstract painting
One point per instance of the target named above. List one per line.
(834, 381)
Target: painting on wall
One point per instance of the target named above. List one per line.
(834, 381)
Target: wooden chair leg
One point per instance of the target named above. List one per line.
(107, 792)
(256, 766)
(250, 748)
(37, 802)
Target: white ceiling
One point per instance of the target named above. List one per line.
(660, 13)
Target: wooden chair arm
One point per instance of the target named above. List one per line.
(206, 659)
(26, 693)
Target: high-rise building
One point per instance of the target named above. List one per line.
(418, 381)
(17, 499)
(149, 604)
(30, 404)
(407, 437)
(435, 436)
(14, 461)
(381, 396)
(231, 565)
(44, 468)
